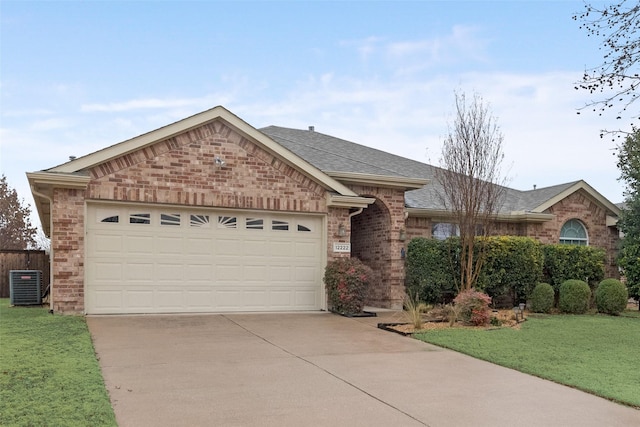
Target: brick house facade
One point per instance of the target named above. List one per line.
(282, 192)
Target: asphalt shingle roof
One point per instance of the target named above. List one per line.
(331, 154)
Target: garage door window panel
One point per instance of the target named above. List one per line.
(227, 222)
(199, 221)
(140, 218)
(255, 224)
(279, 225)
(170, 219)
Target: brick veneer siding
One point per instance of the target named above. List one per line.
(181, 170)
(67, 244)
(581, 206)
(376, 241)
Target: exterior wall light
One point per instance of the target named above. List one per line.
(342, 231)
(403, 235)
(218, 162)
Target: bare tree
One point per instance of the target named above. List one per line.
(16, 231)
(618, 76)
(472, 187)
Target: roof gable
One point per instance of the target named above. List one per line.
(217, 113)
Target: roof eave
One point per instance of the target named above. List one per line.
(341, 201)
(379, 180)
(216, 113)
(580, 185)
(42, 185)
(515, 216)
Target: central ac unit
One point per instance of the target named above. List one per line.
(25, 287)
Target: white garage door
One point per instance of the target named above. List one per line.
(170, 260)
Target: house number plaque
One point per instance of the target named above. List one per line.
(341, 247)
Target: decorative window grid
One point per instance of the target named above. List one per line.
(573, 232)
(199, 221)
(227, 222)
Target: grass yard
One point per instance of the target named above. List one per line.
(597, 354)
(49, 375)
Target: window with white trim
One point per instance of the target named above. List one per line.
(574, 232)
(444, 230)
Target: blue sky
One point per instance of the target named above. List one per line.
(78, 76)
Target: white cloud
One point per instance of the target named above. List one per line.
(138, 104)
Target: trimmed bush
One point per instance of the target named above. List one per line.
(513, 266)
(542, 298)
(566, 262)
(574, 297)
(611, 297)
(347, 280)
(473, 307)
(430, 274)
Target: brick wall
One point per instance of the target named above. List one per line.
(580, 206)
(376, 241)
(181, 170)
(67, 244)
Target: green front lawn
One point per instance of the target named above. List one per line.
(49, 375)
(597, 354)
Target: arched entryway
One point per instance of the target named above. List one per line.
(371, 243)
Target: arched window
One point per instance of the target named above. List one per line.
(573, 232)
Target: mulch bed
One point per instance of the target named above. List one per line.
(506, 318)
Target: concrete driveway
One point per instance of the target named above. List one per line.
(317, 369)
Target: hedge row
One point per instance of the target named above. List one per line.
(512, 267)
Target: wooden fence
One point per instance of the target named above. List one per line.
(22, 260)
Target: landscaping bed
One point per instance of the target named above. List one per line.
(506, 319)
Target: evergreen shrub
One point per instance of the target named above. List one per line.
(542, 297)
(566, 262)
(574, 297)
(611, 297)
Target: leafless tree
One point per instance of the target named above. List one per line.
(470, 178)
(618, 76)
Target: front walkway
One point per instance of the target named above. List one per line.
(317, 369)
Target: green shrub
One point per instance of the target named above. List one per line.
(347, 280)
(566, 262)
(473, 307)
(429, 271)
(513, 266)
(542, 298)
(574, 297)
(611, 297)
